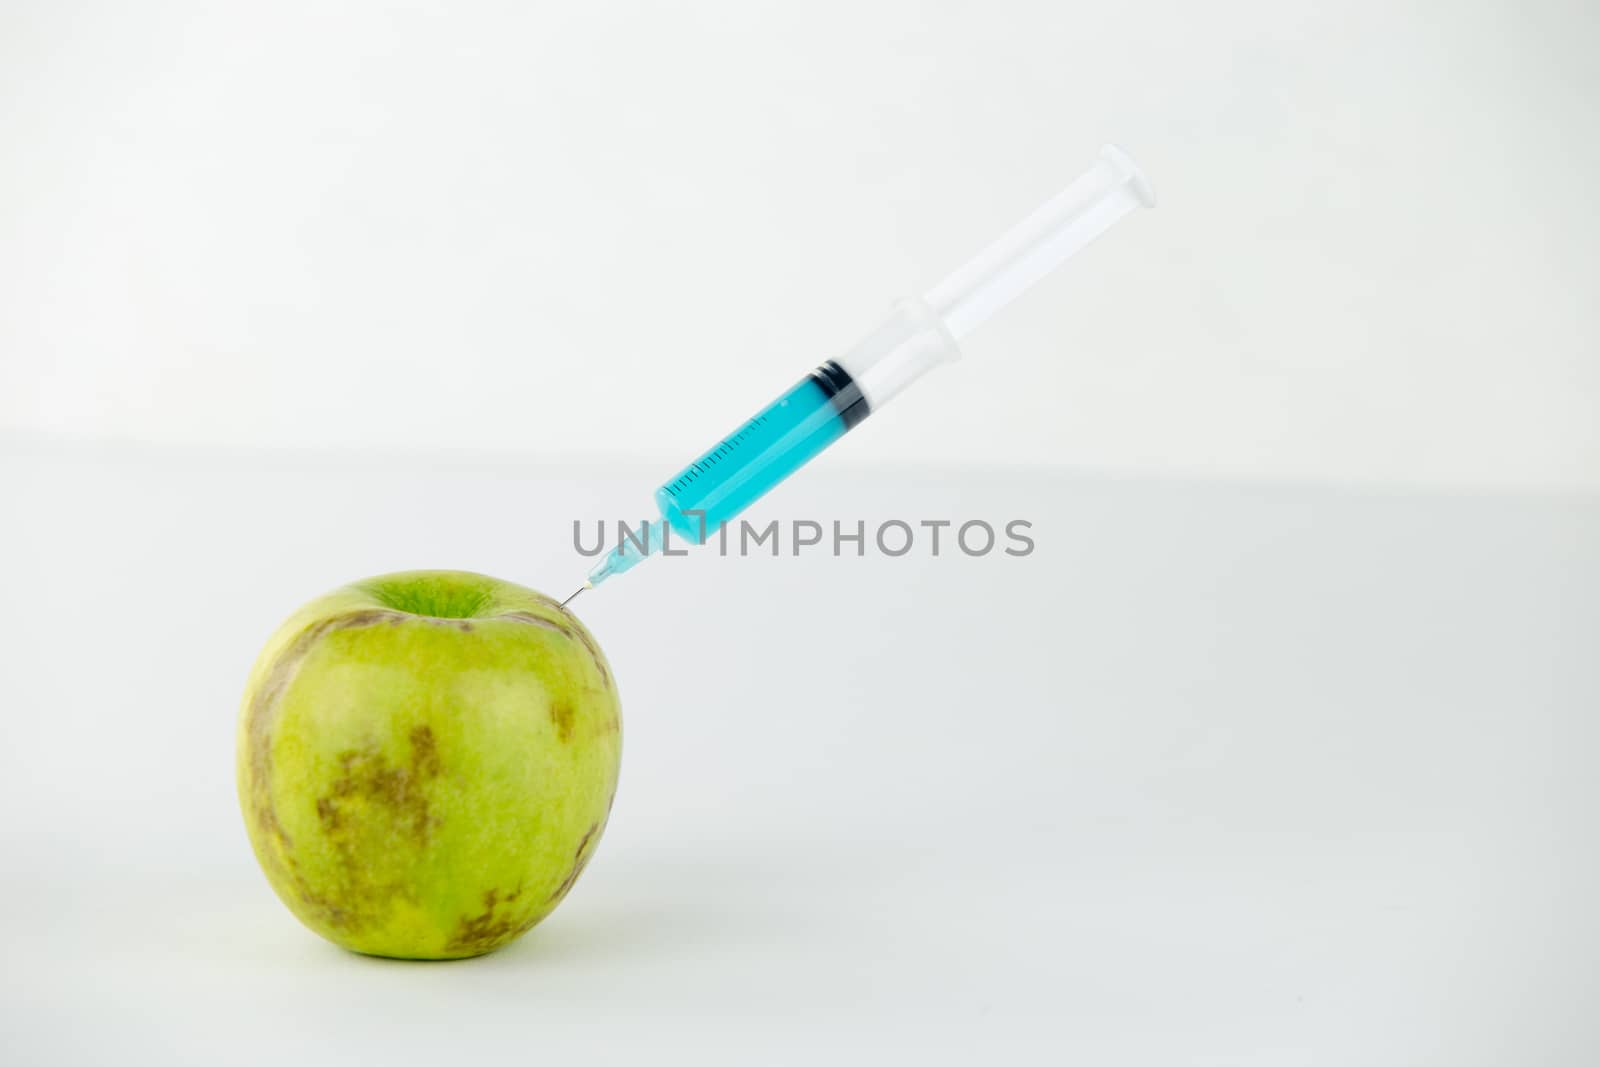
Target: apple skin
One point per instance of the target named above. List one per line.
(426, 762)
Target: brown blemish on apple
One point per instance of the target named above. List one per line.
(463, 625)
(580, 860)
(328, 812)
(370, 800)
(481, 933)
(367, 779)
(424, 751)
(259, 719)
(594, 654)
(561, 714)
(578, 634)
(535, 620)
(274, 847)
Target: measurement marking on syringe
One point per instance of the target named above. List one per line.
(725, 448)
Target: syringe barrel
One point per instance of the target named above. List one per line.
(774, 443)
(698, 501)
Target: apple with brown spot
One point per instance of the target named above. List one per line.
(426, 762)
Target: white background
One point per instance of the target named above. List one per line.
(1278, 750)
(581, 229)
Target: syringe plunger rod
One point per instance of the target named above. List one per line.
(1040, 243)
(922, 334)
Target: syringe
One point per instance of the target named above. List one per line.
(919, 334)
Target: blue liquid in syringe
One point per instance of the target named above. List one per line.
(740, 468)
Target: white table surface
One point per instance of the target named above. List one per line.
(1219, 775)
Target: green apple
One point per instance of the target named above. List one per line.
(426, 762)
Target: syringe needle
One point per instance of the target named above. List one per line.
(574, 596)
